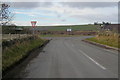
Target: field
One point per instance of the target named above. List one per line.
(63, 28)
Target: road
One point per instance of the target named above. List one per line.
(69, 57)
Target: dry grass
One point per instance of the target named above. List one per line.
(107, 38)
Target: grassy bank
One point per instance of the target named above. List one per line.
(16, 52)
(107, 39)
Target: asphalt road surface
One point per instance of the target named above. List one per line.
(69, 57)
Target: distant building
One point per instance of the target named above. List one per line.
(111, 27)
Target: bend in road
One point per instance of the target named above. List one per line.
(69, 57)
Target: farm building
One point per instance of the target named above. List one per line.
(111, 27)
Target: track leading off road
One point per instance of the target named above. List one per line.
(69, 57)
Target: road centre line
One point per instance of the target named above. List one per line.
(92, 60)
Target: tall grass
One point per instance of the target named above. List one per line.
(17, 51)
(107, 38)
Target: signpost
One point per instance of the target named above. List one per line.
(33, 25)
(69, 30)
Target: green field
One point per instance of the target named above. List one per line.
(63, 28)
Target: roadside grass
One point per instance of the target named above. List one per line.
(107, 39)
(17, 51)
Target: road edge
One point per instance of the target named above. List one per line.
(22, 59)
(101, 45)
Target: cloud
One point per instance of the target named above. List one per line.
(22, 23)
(59, 0)
(26, 13)
(46, 19)
(89, 4)
(33, 13)
(28, 23)
(30, 5)
(75, 12)
(95, 14)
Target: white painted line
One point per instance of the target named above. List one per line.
(92, 60)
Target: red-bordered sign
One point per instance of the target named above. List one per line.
(33, 23)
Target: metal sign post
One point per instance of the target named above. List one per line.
(33, 25)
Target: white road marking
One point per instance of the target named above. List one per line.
(92, 60)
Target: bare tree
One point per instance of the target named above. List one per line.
(5, 15)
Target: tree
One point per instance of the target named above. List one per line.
(103, 23)
(5, 15)
(107, 23)
(95, 23)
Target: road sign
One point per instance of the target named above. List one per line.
(69, 30)
(33, 23)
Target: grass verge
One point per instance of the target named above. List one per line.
(111, 40)
(16, 52)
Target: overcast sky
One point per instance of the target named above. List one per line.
(61, 13)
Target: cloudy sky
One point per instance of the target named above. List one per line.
(61, 13)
